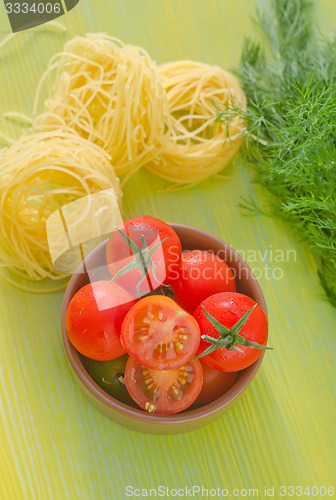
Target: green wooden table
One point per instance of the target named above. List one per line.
(54, 444)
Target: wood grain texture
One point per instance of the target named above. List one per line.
(54, 444)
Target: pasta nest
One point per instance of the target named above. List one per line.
(39, 174)
(109, 93)
(199, 146)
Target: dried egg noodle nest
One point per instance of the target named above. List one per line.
(198, 147)
(110, 94)
(39, 174)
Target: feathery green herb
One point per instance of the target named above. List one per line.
(290, 84)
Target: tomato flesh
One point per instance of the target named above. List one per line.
(94, 317)
(228, 308)
(166, 258)
(164, 391)
(159, 334)
(202, 274)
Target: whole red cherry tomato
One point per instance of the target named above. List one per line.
(202, 274)
(215, 384)
(94, 317)
(143, 254)
(164, 391)
(159, 334)
(226, 309)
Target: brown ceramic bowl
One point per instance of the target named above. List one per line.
(137, 419)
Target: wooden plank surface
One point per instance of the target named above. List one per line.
(54, 444)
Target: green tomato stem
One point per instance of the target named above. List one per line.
(228, 336)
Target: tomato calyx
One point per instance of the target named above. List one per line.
(142, 258)
(229, 337)
(165, 289)
(115, 379)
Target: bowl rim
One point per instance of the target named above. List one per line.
(186, 416)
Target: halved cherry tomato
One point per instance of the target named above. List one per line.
(215, 384)
(202, 274)
(164, 391)
(159, 334)
(94, 317)
(163, 267)
(228, 308)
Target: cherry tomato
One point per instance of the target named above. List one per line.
(228, 308)
(159, 334)
(164, 263)
(215, 384)
(107, 375)
(164, 391)
(202, 274)
(94, 317)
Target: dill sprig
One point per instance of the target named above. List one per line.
(290, 83)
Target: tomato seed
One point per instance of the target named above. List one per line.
(182, 337)
(140, 338)
(149, 407)
(158, 348)
(176, 393)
